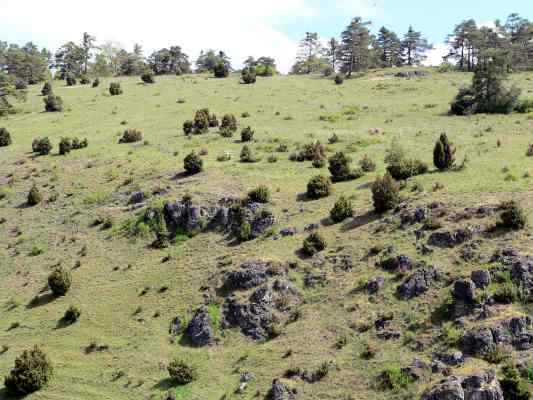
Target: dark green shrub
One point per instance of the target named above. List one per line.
(188, 127)
(247, 134)
(193, 164)
(339, 79)
(248, 76)
(229, 122)
(333, 139)
(407, 168)
(245, 231)
(131, 136)
(261, 194)
(443, 153)
(314, 243)
(47, 89)
(524, 106)
(71, 80)
(72, 314)
(201, 121)
(225, 132)
(512, 384)
(34, 196)
(59, 281)
(319, 186)
(181, 372)
(385, 194)
(310, 152)
(247, 155)
(42, 146)
(342, 210)
(464, 102)
(221, 70)
(213, 121)
(53, 103)
(507, 293)
(339, 167)
(96, 82)
(32, 371)
(513, 216)
(77, 144)
(65, 146)
(5, 137)
(367, 164)
(148, 77)
(115, 89)
(84, 80)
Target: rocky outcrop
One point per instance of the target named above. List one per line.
(464, 290)
(482, 386)
(418, 283)
(227, 216)
(279, 391)
(250, 274)
(450, 239)
(400, 263)
(516, 331)
(481, 278)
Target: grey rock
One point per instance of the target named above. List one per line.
(418, 283)
(482, 386)
(464, 290)
(375, 284)
(481, 278)
(199, 330)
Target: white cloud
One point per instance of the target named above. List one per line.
(239, 27)
(434, 55)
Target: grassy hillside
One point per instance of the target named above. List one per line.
(110, 271)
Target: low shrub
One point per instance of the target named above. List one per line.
(444, 153)
(72, 314)
(131, 136)
(313, 244)
(367, 164)
(188, 127)
(339, 167)
(229, 122)
(181, 372)
(96, 82)
(513, 216)
(248, 76)
(59, 281)
(247, 134)
(148, 77)
(84, 80)
(65, 146)
(247, 155)
(385, 194)
(318, 186)
(221, 70)
(34, 196)
(394, 378)
(342, 210)
(213, 121)
(47, 89)
(193, 164)
(201, 121)
(53, 103)
(115, 89)
(339, 79)
(42, 146)
(5, 137)
(407, 168)
(33, 370)
(261, 194)
(71, 80)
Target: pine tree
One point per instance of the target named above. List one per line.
(389, 48)
(354, 50)
(414, 46)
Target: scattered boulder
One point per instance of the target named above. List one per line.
(137, 197)
(200, 331)
(454, 359)
(374, 284)
(481, 278)
(411, 74)
(281, 392)
(464, 290)
(418, 283)
(401, 263)
(472, 387)
(250, 274)
(478, 342)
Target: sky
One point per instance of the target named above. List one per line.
(239, 27)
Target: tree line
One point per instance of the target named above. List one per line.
(358, 49)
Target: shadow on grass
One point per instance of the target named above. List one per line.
(41, 300)
(63, 323)
(5, 395)
(305, 198)
(164, 385)
(360, 220)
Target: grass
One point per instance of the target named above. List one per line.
(366, 114)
